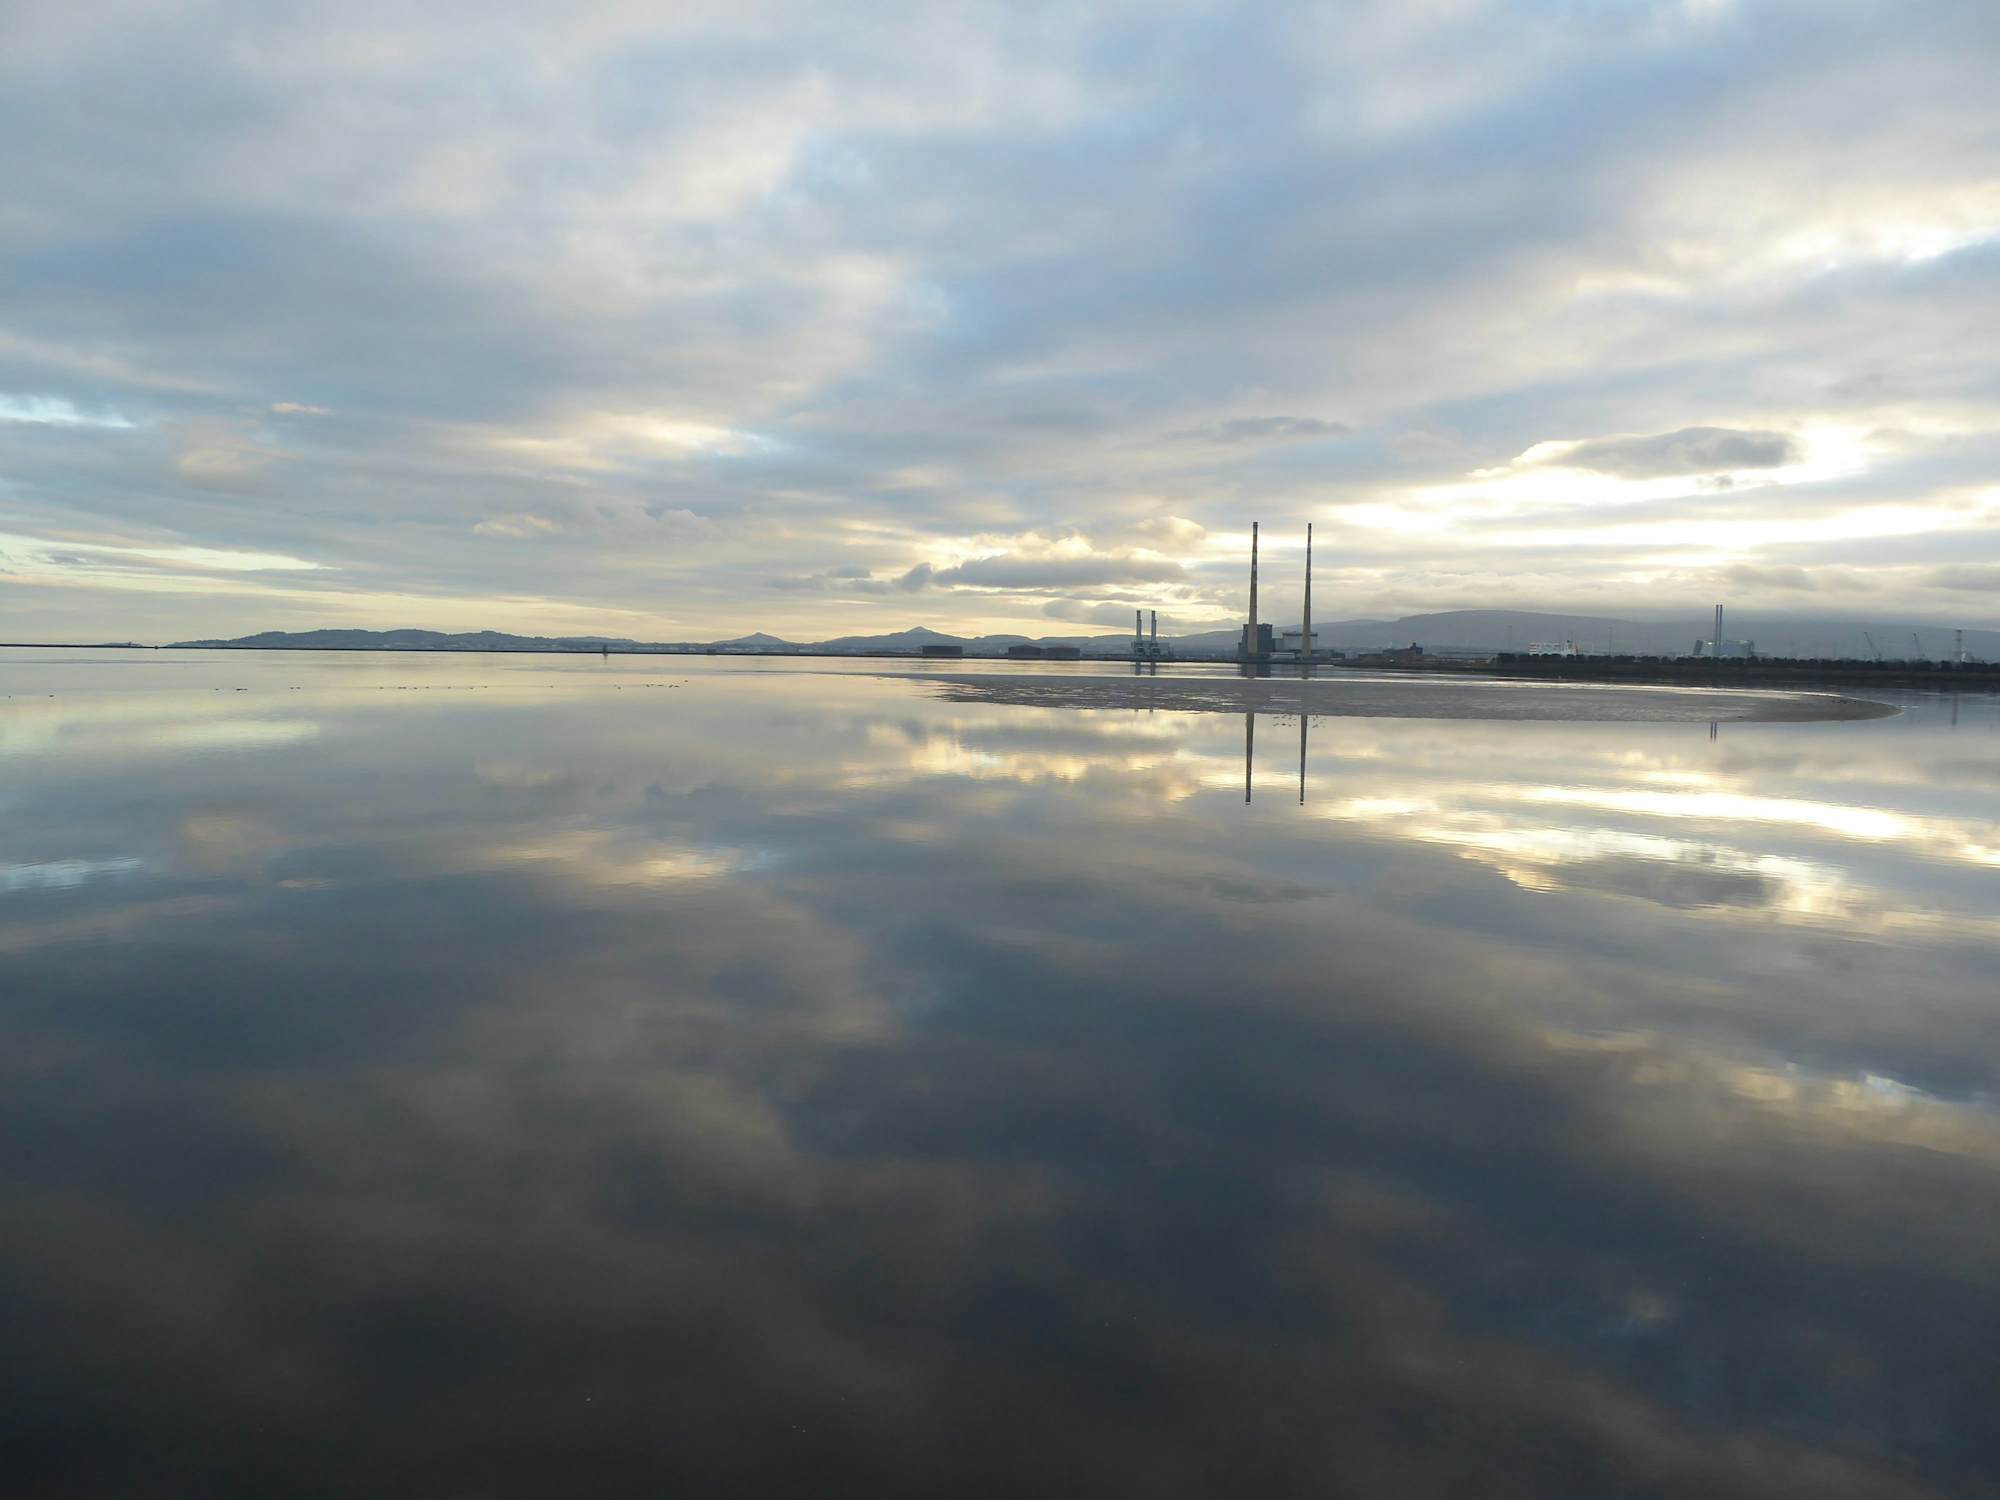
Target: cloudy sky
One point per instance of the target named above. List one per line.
(683, 320)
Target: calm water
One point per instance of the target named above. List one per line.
(510, 1076)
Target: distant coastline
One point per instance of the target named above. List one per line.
(1451, 642)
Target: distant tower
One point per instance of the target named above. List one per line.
(1156, 632)
(1250, 634)
(1715, 646)
(1253, 587)
(1306, 624)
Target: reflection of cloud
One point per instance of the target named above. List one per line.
(675, 1084)
(231, 734)
(600, 857)
(118, 727)
(1672, 872)
(521, 778)
(1736, 1098)
(1940, 838)
(64, 874)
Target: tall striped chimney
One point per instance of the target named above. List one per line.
(1306, 631)
(1250, 640)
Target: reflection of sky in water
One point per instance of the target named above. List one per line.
(685, 1077)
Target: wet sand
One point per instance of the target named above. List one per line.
(1403, 698)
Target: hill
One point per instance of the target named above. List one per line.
(1471, 631)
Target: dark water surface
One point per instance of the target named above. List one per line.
(500, 1076)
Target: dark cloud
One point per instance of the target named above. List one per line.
(1035, 574)
(1692, 450)
(1745, 576)
(1972, 577)
(1117, 615)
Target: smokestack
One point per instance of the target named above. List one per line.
(1715, 646)
(1138, 625)
(1250, 646)
(1156, 627)
(1306, 624)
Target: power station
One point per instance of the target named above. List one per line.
(1259, 643)
(1147, 647)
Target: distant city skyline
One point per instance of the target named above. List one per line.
(675, 324)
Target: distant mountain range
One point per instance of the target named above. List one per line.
(1479, 631)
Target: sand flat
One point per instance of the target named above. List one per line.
(1361, 695)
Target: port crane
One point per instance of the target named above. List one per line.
(1914, 641)
(1871, 644)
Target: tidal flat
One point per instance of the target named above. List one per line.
(1338, 693)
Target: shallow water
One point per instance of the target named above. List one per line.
(522, 1075)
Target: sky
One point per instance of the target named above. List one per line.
(679, 321)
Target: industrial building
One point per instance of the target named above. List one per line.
(933, 649)
(1147, 647)
(1717, 649)
(1392, 656)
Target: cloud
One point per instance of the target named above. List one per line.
(1691, 450)
(1031, 574)
(221, 468)
(599, 519)
(1172, 533)
(853, 579)
(1969, 577)
(54, 411)
(1747, 576)
(1089, 612)
(910, 286)
(1263, 430)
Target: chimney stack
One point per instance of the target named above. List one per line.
(1306, 624)
(1250, 640)
(1156, 629)
(1715, 646)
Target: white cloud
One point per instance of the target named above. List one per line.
(53, 411)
